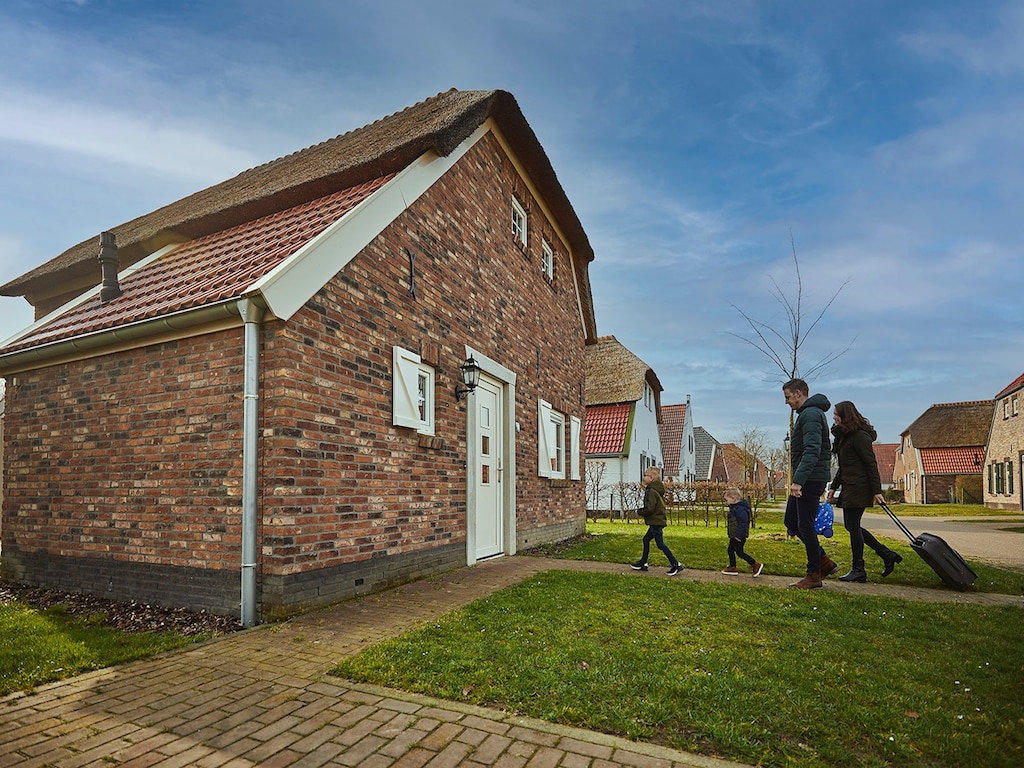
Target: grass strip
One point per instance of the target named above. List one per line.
(41, 646)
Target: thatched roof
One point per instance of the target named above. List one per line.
(616, 375)
(952, 425)
(438, 124)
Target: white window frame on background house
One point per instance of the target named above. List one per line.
(547, 259)
(550, 441)
(519, 222)
(412, 392)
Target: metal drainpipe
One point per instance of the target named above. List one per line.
(251, 316)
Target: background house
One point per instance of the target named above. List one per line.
(1004, 455)
(743, 468)
(940, 455)
(885, 458)
(677, 443)
(623, 414)
(250, 405)
(709, 462)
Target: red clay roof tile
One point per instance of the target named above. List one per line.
(606, 428)
(205, 271)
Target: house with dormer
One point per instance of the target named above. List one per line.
(354, 365)
(1004, 453)
(939, 458)
(623, 414)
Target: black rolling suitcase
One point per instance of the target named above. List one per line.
(944, 560)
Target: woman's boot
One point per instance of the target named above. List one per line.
(890, 559)
(857, 573)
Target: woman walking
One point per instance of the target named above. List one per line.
(859, 485)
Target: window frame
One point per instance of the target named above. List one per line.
(550, 441)
(520, 223)
(547, 259)
(413, 392)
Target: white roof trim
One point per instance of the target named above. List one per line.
(296, 280)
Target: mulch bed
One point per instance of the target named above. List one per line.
(125, 616)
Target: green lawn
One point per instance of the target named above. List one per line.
(739, 670)
(704, 547)
(755, 674)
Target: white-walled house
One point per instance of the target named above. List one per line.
(623, 410)
(678, 445)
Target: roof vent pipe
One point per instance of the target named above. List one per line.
(108, 267)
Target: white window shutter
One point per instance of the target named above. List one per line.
(545, 449)
(405, 388)
(574, 435)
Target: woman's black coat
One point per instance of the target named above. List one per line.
(857, 476)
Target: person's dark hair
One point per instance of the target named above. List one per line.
(796, 385)
(850, 419)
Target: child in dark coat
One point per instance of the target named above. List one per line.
(738, 525)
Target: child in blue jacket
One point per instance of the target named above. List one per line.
(738, 525)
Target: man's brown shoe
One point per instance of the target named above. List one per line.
(828, 566)
(811, 581)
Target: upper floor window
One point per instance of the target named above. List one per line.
(413, 392)
(518, 222)
(1016, 405)
(1006, 408)
(547, 260)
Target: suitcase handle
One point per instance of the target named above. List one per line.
(899, 523)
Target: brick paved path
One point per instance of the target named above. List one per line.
(262, 697)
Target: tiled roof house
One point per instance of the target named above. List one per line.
(742, 468)
(677, 443)
(1004, 454)
(250, 401)
(885, 458)
(939, 457)
(623, 413)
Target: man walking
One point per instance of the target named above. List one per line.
(809, 459)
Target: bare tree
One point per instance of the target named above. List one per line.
(783, 349)
(595, 487)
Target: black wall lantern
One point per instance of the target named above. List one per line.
(470, 378)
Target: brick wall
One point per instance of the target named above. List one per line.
(126, 461)
(127, 467)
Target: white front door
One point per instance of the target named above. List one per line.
(489, 464)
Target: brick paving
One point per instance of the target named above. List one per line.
(263, 697)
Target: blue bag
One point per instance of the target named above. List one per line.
(823, 522)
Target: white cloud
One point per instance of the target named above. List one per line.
(153, 145)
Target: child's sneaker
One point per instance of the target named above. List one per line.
(731, 571)
(675, 570)
(756, 568)
(639, 565)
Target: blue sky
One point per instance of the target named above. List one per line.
(695, 140)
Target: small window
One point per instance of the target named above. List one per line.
(547, 260)
(1009, 478)
(1006, 408)
(1016, 405)
(550, 441)
(412, 392)
(518, 222)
